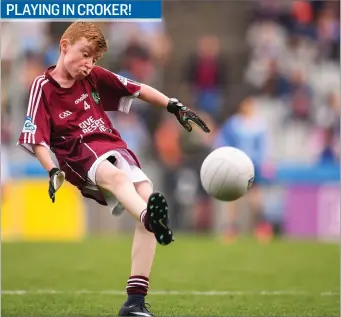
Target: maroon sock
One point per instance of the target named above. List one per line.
(144, 220)
(137, 289)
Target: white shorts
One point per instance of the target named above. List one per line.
(134, 173)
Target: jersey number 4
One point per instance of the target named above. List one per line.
(86, 105)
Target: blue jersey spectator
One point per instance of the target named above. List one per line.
(246, 131)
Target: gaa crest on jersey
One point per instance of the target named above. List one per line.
(29, 127)
(95, 97)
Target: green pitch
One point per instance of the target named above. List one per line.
(246, 279)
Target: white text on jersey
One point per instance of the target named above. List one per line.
(90, 125)
(65, 114)
(86, 106)
(81, 98)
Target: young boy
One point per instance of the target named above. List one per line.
(66, 114)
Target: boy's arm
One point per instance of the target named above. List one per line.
(183, 114)
(42, 153)
(153, 96)
(35, 135)
(126, 89)
(57, 176)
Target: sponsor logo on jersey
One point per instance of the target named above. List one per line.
(95, 97)
(65, 114)
(91, 125)
(81, 98)
(29, 127)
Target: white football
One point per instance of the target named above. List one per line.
(227, 173)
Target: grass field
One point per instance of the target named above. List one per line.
(246, 279)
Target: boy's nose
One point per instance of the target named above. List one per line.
(89, 64)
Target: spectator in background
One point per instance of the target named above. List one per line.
(328, 32)
(20, 38)
(270, 10)
(316, 6)
(205, 73)
(300, 97)
(329, 154)
(154, 36)
(247, 131)
(327, 113)
(167, 142)
(133, 131)
(32, 69)
(146, 34)
(51, 52)
(276, 85)
(302, 14)
(181, 158)
(267, 42)
(195, 149)
(138, 65)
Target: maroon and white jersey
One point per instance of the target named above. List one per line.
(72, 121)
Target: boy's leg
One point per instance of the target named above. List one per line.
(141, 202)
(142, 257)
(144, 242)
(116, 181)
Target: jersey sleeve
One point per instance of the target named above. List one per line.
(37, 125)
(116, 92)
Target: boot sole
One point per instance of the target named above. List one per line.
(157, 210)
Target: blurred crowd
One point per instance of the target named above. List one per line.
(294, 62)
(290, 108)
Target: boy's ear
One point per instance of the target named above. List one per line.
(64, 45)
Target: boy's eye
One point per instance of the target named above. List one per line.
(85, 54)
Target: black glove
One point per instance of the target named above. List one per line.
(184, 115)
(57, 178)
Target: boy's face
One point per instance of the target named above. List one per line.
(79, 58)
